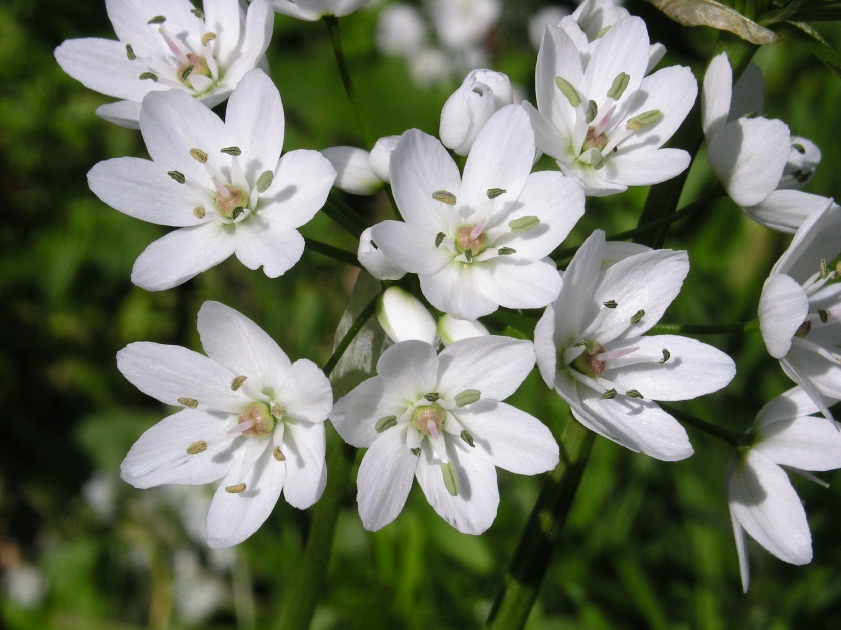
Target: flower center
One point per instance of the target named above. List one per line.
(428, 419)
(593, 141)
(260, 417)
(587, 362)
(196, 65)
(471, 240)
(231, 201)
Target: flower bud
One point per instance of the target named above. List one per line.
(404, 317)
(380, 156)
(451, 329)
(482, 93)
(375, 261)
(354, 171)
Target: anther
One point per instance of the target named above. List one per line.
(636, 318)
(643, 120)
(415, 451)
(597, 160)
(444, 197)
(277, 411)
(823, 315)
(192, 403)
(592, 112)
(610, 304)
(432, 396)
(238, 381)
(465, 435)
(618, 86)
(278, 454)
(506, 251)
(149, 75)
(448, 471)
(197, 447)
(523, 224)
(179, 177)
(493, 193)
(237, 212)
(232, 150)
(237, 489)
(439, 238)
(467, 397)
(824, 269)
(611, 393)
(568, 91)
(198, 155)
(207, 38)
(384, 423)
(187, 72)
(632, 393)
(468, 254)
(198, 212)
(158, 19)
(130, 53)
(264, 181)
(666, 356)
(197, 12)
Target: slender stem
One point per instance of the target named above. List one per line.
(332, 23)
(308, 583)
(542, 532)
(344, 215)
(332, 252)
(711, 429)
(707, 329)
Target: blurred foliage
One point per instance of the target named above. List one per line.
(648, 544)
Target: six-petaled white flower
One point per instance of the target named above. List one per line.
(762, 501)
(479, 242)
(224, 184)
(439, 418)
(604, 121)
(169, 44)
(250, 417)
(591, 349)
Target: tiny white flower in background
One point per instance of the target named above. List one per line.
(250, 417)
(311, 10)
(169, 44)
(552, 14)
(375, 261)
(461, 24)
(404, 317)
(438, 418)
(353, 168)
(451, 329)
(481, 94)
(591, 349)
(800, 307)
(762, 501)
(481, 241)
(605, 121)
(400, 30)
(225, 185)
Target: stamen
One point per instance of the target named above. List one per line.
(232, 151)
(610, 304)
(432, 396)
(523, 224)
(465, 435)
(467, 397)
(592, 112)
(264, 181)
(632, 393)
(493, 193)
(198, 155)
(148, 75)
(192, 403)
(179, 177)
(236, 489)
(238, 381)
(385, 423)
(450, 478)
(439, 238)
(618, 86)
(198, 212)
(197, 12)
(636, 318)
(278, 454)
(130, 53)
(506, 251)
(197, 447)
(158, 19)
(643, 120)
(207, 38)
(666, 356)
(444, 197)
(568, 91)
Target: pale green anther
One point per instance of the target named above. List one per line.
(568, 91)
(149, 75)
(207, 37)
(197, 12)
(465, 435)
(232, 150)
(439, 238)
(506, 251)
(278, 454)
(468, 254)
(596, 161)
(237, 489)
(197, 447)
(823, 315)
(187, 72)
(432, 396)
(632, 393)
(264, 181)
(643, 120)
(198, 155)
(592, 112)
(384, 423)
(493, 193)
(589, 346)
(824, 268)
(799, 148)
(158, 19)
(199, 212)
(618, 86)
(179, 177)
(130, 52)
(237, 212)
(636, 318)
(467, 397)
(444, 197)
(448, 470)
(415, 451)
(523, 223)
(277, 411)
(611, 393)
(666, 356)
(610, 304)
(238, 381)
(192, 403)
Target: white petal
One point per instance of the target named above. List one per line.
(254, 41)
(783, 307)
(411, 247)
(516, 282)
(693, 369)
(299, 188)
(642, 168)
(374, 260)
(459, 291)
(767, 507)
(806, 443)
(160, 455)
(262, 242)
(306, 393)
(385, 478)
(546, 353)
(790, 404)
(306, 471)
(742, 552)
(355, 415)
(233, 517)
(102, 65)
(409, 369)
(716, 95)
(624, 48)
(509, 438)
(822, 374)
(748, 94)
(494, 365)
(451, 329)
(558, 57)
(473, 510)
(579, 281)
(123, 113)
(353, 166)
(168, 373)
(786, 210)
(180, 255)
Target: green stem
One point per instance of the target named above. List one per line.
(542, 532)
(344, 215)
(332, 23)
(706, 329)
(330, 251)
(711, 429)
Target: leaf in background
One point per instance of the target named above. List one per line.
(716, 15)
(807, 37)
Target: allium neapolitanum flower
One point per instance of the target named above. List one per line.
(763, 502)
(479, 242)
(800, 307)
(605, 121)
(224, 184)
(439, 418)
(312, 10)
(169, 44)
(590, 349)
(250, 417)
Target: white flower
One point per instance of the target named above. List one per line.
(312, 10)
(800, 305)
(803, 161)
(762, 501)
(451, 329)
(404, 317)
(481, 94)
(479, 242)
(440, 419)
(400, 30)
(375, 262)
(224, 184)
(590, 349)
(353, 168)
(605, 121)
(461, 24)
(169, 44)
(250, 417)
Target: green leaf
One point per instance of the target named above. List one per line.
(807, 37)
(716, 15)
